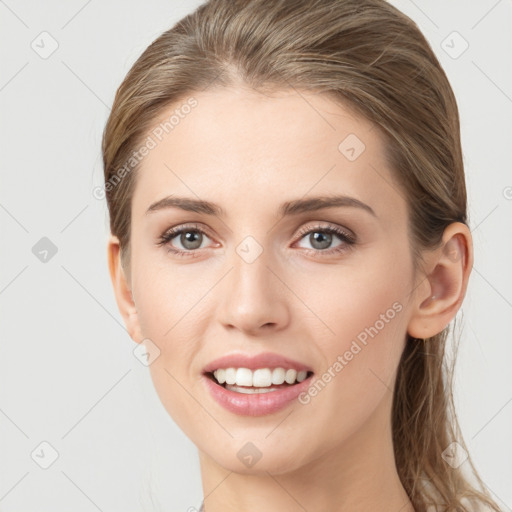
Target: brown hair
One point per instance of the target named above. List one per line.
(370, 57)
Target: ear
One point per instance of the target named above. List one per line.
(448, 270)
(122, 290)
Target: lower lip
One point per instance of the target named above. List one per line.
(256, 404)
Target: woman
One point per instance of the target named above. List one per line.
(290, 244)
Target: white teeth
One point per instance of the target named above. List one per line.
(230, 375)
(250, 391)
(291, 376)
(301, 376)
(260, 378)
(220, 375)
(278, 376)
(243, 377)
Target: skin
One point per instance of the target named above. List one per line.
(248, 152)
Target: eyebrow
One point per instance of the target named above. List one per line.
(294, 207)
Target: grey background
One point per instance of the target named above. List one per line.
(68, 376)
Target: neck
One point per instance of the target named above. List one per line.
(357, 475)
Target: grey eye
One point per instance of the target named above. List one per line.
(320, 240)
(191, 239)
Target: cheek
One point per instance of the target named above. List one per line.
(168, 298)
(171, 304)
(168, 310)
(367, 312)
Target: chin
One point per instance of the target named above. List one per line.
(259, 458)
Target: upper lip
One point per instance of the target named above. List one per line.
(253, 362)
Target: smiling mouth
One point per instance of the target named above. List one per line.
(291, 381)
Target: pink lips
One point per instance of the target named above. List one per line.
(263, 360)
(256, 404)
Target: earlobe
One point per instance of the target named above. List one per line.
(122, 290)
(440, 294)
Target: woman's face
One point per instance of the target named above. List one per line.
(263, 272)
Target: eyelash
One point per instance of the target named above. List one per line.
(348, 240)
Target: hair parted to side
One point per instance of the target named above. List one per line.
(371, 58)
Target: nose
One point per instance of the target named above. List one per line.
(254, 298)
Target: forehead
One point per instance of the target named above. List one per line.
(243, 149)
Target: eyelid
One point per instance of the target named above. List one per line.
(192, 226)
(302, 231)
(334, 228)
